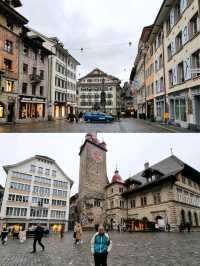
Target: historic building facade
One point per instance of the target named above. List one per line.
(161, 194)
(36, 190)
(92, 181)
(99, 91)
(33, 87)
(175, 58)
(11, 23)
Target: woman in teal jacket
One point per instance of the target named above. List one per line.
(100, 246)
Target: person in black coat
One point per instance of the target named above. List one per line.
(38, 235)
(4, 236)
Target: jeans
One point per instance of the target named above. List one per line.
(100, 259)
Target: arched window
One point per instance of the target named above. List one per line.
(190, 217)
(196, 219)
(2, 110)
(183, 216)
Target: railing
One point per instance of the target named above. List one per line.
(36, 78)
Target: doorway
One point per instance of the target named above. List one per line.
(197, 110)
(11, 112)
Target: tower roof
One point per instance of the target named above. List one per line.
(117, 178)
(93, 139)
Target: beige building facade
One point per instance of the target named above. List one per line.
(175, 49)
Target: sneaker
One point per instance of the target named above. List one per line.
(33, 252)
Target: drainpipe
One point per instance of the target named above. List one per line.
(145, 89)
(164, 80)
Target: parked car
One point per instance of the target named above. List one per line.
(98, 117)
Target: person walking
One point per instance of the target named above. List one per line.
(38, 235)
(4, 236)
(100, 246)
(78, 232)
(62, 230)
(22, 235)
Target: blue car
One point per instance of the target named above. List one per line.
(97, 117)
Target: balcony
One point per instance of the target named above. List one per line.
(34, 78)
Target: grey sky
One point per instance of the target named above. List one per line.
(128, 151)
(105, 27)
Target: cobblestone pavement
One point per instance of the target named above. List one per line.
(139, 249)
(63, 126)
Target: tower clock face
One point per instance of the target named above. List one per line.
(97, 156)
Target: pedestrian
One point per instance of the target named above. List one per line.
(22, 235)
(118, 115)
(38, 235)
(100, 246)
(78, 231)
(62, 230)
(168, 227)
(188, 226)
(4, 236)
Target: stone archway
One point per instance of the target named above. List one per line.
(190, 218)
(196, 219)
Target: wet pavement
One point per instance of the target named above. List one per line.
(138, 249)
(63, 126)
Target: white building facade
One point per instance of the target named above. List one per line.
(90, 89)
(62, 78)
(36, 191)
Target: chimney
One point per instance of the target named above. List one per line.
(146, 165)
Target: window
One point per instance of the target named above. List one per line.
(181, 73)
(171, 78)
(33, 168)
(33, 89)
(41, 90)
(133, 205)
(169, 51)
(9, 86)
(26, 50)
(143, 201)
(42, 74)
(179, 43)
(25, 68)
(24, 88)
(8, 46)
(47, 172)
(196, 62)
(40, 170)
(157, 198)
(54, 173)
(8, 64)
(194, 27)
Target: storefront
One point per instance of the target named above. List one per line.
(32, 109)
(178, 108)
(59, 110)
(196, 106)
(56, 227)
(160, 108)
(150, 109)
(2, 111)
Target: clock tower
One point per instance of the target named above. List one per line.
(92, 181)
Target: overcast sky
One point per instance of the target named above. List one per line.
(128, 151)
(103, 28)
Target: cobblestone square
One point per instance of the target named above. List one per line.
(139, 249)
